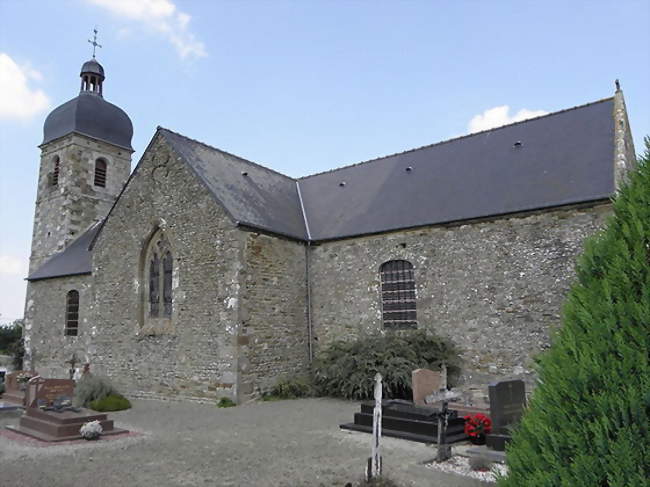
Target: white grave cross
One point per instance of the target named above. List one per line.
(375, 460)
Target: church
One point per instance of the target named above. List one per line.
(200, 274)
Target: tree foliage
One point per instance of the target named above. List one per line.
(587, 424)
(347, 368)
(9, 336)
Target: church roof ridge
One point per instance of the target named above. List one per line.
(229, 154)
(454, 139)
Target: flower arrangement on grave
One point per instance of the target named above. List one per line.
(91, 430)
(477, 426)
(24, 377)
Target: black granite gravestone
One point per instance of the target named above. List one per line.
(507, 402)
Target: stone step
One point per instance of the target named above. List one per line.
(402, 434)
(57, 429)
(66, 417)
(39, 435)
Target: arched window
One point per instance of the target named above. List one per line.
(55, 171)
(160, 266)
(100, 173)
(72, 313)
(398, 294)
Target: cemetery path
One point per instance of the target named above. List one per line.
(266, 444)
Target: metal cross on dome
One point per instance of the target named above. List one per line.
(94, 42)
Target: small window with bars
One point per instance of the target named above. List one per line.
(398, 295)
(55, 171)
(100, 173)
(72, 314)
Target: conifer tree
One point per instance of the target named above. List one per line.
(587, 422)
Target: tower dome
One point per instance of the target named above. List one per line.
(89, 114)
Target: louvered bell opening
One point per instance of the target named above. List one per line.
(100, 173)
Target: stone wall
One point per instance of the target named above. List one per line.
(274, 339)
(494, 287)
(46, 346)
(196, 356)
(65, 210)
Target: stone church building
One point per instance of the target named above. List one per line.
(201, 274)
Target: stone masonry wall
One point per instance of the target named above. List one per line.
(66, 210)
(45, 344)
(494, 287)
(196, 357)
(273, 340)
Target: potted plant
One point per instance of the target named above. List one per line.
(476, 427)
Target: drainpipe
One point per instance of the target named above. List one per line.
(307, 253)
(309, 329)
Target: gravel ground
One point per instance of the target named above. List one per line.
(281, 443)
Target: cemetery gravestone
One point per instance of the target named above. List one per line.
(425, 382)
(15, 391)
(50, 416)
(507, 403)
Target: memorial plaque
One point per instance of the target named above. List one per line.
(52, 389)
(425, 382)
(507, 402)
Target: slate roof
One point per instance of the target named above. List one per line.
(261, 198)
(89, 114)
(565, 157)
(74, 260)
(562, 158)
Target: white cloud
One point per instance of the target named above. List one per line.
(161, 16)
(498, 116)
(13, 266)
(17, 99)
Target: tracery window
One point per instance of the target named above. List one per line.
(398, 294)
(100, 173)
(71, 314)
(160, 266)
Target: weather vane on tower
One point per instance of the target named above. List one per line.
(94, 42)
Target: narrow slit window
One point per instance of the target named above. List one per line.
(100, 173)
(398, 295)
(72, 314)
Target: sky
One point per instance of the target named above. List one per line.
(303, 87)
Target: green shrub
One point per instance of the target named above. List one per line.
(588, 420)
(226, 402)
(347, 368)
(113, 402)
(291, 387)
(92, 388)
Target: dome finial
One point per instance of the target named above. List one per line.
(94, 41)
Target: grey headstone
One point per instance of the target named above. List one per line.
(507, 403)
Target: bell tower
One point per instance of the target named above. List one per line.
(85, 162)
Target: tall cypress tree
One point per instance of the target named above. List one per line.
(587, 422)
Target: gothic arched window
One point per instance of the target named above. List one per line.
(71, 313)
(160, 264)
(100, 173)
(398, 294)
(55, 171)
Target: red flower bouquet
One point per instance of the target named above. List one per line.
(477, 426)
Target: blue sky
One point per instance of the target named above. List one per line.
(303, 87)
